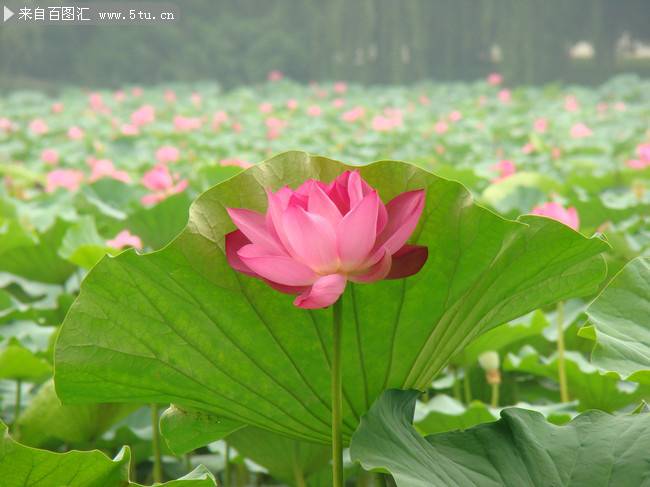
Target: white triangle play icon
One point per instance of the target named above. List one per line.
(7, 14)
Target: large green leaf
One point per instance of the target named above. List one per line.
(46, 420)
(620, 323)
(292, 461)
(179, 325)
(22, 466)
(521, 449)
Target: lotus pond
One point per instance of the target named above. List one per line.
(471, 310)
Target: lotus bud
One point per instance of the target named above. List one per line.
(489, 361)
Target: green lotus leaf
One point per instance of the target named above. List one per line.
(46, 421)
(620, 323)
(180, 326)
(23, 466)
(289, 460)
(187, 429)
(592, 389)
(20, 363)
(519, 450)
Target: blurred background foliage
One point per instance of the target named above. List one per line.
(368, 41)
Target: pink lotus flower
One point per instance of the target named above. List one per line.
(69, 179)
(505, 96)
(528, 148)
(137, 91)
(219, 118)
(96, 102)
(619, 106)
(196, 99)
(129, 129)
(6, 125)
(314, 239)
(338, 103)
(441, 127)
(162, 184)
(455, 116)
(125, 239)
(187, 124)
(292, 104)
(119, 96)
(353, 115)
(540, 125)
(505, 168)
(170, 96)
(235, 162)
(494, 79)
(57, 107)
(637, 164)
(104, 168)
(602, 107)
(50, 156)
(266, 107)
(425, 100)
(571, 104)
(314, 111)
(144, 115)
(551, 209)
(75, 133)
(167, 153)
(643, 151)
(38, 126)
(340, 87)
(275, 75)
(580, 131)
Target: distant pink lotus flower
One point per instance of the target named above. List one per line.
(125, 239)
(314, 111)
(340, 87)
(571, 104)
(187, 124)
(619, 106)
(69, 179)
(505, 96)
(602, 107)
(75, 133)
(556, 153)
(292, 104)
(425, 100)
(643, 161)
(274, 127)
(196, 99)
(441, 127)
(162, 184)
(455, 116)
(96, 102)
(390, 120)
(540, 125)
(219, 117)
(275, 75)
(38, 126)
(237, 127)
(170, 96)
(338, 103)
(57, 107)
(104, 168)
(580, 131)
(494, 79)
(129, 129)
(354, 114)
(50, 156)
(119, 96)
(551, 209)
(235, 162)
(144, 115)
(6, 125)
(313, 240)
(266, 107)
(528, 148)
(505, 168)
(167, 153)
(137, 91)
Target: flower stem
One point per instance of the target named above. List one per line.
(155, 444)
(337, 403)
(495, 395)
(227, 474)
(561, 366)
(17, 402)
(467, 386)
